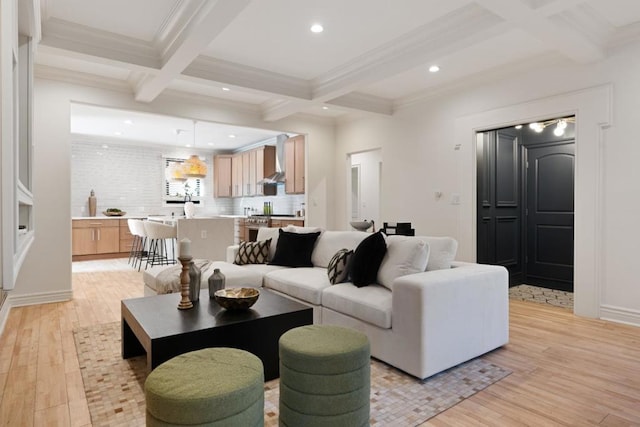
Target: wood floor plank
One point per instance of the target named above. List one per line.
(566, 370)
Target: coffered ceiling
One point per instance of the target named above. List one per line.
(372, 57)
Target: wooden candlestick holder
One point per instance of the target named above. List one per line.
(185, 302)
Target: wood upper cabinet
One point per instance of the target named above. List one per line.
(95, 236)
(249, 168)
(236, 175)
(294, 169)
(265, 166)
(246, 173)
(222, 175)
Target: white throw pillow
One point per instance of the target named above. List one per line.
(302, 230)
(405, 255)
(442, 252)
(265, 233)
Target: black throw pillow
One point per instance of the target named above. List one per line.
(366, 260)
(294, 249)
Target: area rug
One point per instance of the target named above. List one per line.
(115, 394)
(542, 295)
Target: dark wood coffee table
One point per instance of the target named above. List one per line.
(155, 326)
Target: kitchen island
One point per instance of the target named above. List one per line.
(103, 237)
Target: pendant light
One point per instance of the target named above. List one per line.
(193, 167)
(173, 172)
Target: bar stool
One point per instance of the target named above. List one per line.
(136, 228)
(158, 233)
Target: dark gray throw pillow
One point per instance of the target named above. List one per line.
(338, 268)
(366, 260)
(294, 249)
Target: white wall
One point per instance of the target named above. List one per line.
(429, 146)
(47, 270)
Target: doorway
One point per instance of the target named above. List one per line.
(525, 195)
(364, 182)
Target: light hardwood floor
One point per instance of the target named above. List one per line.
(566, 370)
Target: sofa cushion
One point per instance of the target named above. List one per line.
(253, 252)
(338, 269)
(294, 249)
(371, 304)
(442, 251)
(331, 242)
(405, 255)
(366, 260)
(305, 283)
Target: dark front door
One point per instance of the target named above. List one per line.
(499, 201)
(549, 215)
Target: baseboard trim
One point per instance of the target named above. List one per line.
(4, 314)
(620, 315)
(40, 298)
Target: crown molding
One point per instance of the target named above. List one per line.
(628, 34)
(232, 74)
(77, 38)
(173, 24)
(460, 27)
(78, 78)
(364, 103)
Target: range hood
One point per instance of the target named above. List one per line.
(278, 176)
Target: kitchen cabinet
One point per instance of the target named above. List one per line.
(294, 169)
(95, 236)
(246, 173)
(250, 167)
(236, 175)
(126, 238)
(265, 166)
(222, 175)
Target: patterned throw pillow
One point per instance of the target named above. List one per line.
(253, 252)
(338, 268)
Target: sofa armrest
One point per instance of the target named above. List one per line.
(462, 311)
(231, 253)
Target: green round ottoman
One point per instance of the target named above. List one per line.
(325, 377)
(210, 387)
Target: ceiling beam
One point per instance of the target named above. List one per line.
(206, 24)
(570, 43)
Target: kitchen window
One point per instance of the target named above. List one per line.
(176, 192)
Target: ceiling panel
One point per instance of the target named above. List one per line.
(274, 35)
(506, 48)
(139, 19)
(618, 12)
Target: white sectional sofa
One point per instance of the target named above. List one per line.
(422, 322)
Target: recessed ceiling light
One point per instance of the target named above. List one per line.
(210, 143)
(434, 69)
(317, 28)
(325, 108)
(117, 133)
(105, 146)
(128, 122)
(226, 89)
(518, 126)
(231, 135)
(187, 145)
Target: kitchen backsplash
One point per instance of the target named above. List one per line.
(131, 178)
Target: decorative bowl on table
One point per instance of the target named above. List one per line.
(236, 298)
(110, 212)
(361, 225)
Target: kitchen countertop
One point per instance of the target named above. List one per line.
(101, 217)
